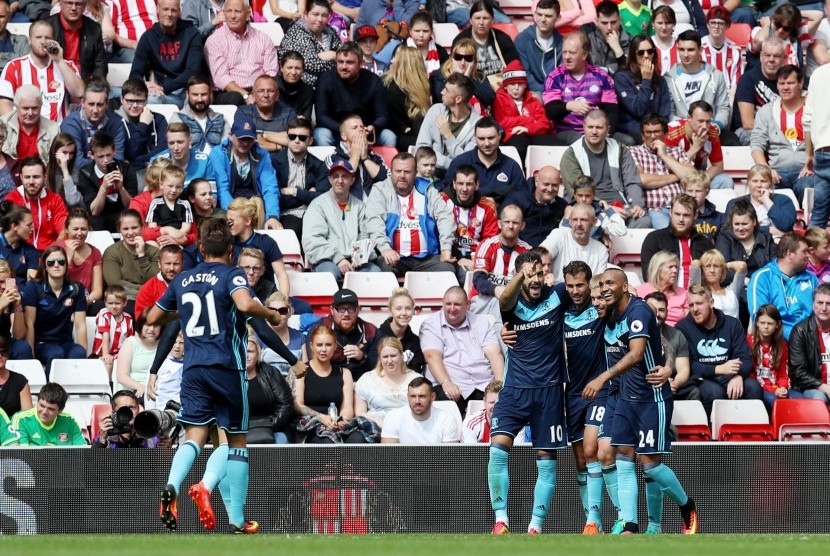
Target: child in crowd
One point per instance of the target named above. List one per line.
(426, 161)
(818, 241)
(367, 39)
(547, 261)
(636, 18)
(112, 326)
(521, 114)
(168, 382)
(769, 356)
(170, 212)
(708, 220)
(609, 222)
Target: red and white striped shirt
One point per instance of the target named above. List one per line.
(668, 57)
(728, 60)
(791, 47)
(23, 71)
(132, 17)
(409, 239)
(118, 331)
(792, 126)
(498, 262)
(473, 225)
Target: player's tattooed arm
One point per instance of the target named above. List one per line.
(636, 351)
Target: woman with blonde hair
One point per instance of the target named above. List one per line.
(401, 308)
(407, 95)
(152, 177)
(291, 337)
(385, 388)
(662, 277)
(775, 212)
(463, 59)
(711, 270)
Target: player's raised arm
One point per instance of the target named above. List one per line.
(247, 304)
(511, 291)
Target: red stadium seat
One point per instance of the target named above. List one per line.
(801, 420)
(387, 153)
(739, 34)
(509, 28)
(689, 418)
(741, 420)
(98, 412)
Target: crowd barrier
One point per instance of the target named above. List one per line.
(739, 488)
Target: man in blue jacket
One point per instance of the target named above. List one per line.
(243, 169)
(94, 116)
(720, 357)
(540, 45)
(785, 283)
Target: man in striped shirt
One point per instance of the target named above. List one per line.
(48, 71)
(721, 52)
(237, 54)
(131, 18)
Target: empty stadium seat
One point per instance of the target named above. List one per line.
(509, 28)
(292, 253)
(634, 277)
(117, 74)
(807, 204)
(514, 8)
(386, 153)
(736, 162)
(428, 288)
(99, 411)
(627, 249)
(90, 334)
(720, 198)
(321, 152)
(739, 33)
(539, 156)
(100, 239)
(741, 420)
(166, 110)
(445, 33)
(81, 376)
(513, 153)
(315, 287)
(689, 418)
(474, 406)
(18, 28)
(800, 420)
(32, 369)
(418, 320)
(79, 410)
(227, 110)
(374, 317)
(273, 30)
(450, 407)
(372, 288)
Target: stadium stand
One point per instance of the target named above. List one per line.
(721, 197)
(32, 369)
(273, 30)
(452, 408)
(801, 420)
(292, 253)
(117, 74)
(166, 110)
(100, 239)
(625, 250)
(372, 288)
(689, 418)
(740, 420)
(428, 288)
(316, 288)
(539, 156)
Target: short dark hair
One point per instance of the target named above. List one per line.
(701, 105)
(171, 248)
(654, 119)
(549, 5)
(786, 71)
(135, 87)
(53, 393)
(789, 243)
(300, 122)
(607, 8)
(128, 213)
(466, 170)
(742, 207)
(293, 55)
(403, 156)
(527, 257)
(215, 237)
(464, 84)
(487, 123)
(97, 84)
(32, 161)
(690, 35)
(419, 381)
(350, 47)
(124, 394)
(823, 289)
(101, 140)
(575, 268)
(197, 80)
(659, 296)
(318, 3)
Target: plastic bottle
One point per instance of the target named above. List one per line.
(334, 415)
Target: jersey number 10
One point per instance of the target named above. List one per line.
(191, 329)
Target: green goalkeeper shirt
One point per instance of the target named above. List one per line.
(8, 436)
(31, 432)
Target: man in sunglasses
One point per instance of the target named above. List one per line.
(301, 175)
(356, 338)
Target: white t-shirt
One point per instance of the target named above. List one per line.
(439, 428)
(563, 249)
(822, 35)
(691, 84)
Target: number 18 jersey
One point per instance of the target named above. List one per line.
(213, 328)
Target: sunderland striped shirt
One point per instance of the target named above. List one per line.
(498, 261)
(409, 239)
(132, 17)
(472, 225)
(23, 71)
(118, 331)
(727, 59)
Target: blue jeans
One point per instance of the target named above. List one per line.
(122, 55)
(815, 394)
(722, 181)
(323, 137)
(821, 182)
(659, 218)
(46, 353)
(769, 398)
(330, 267)
(176, 97)
(281, 438)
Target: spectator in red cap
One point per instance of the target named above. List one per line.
(521, 114)
(367, 39)
(719, 51)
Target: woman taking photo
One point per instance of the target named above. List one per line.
(494, 48)
(15, 230)
(86, 264)
(61, 176)
(662, 277)
(325, 389)
(270, 403)
(52, 303)
(711, 271)
(385, 388)
(407, 95)
(463, 60)
(135, 357)
(401, 308)
(130, 262)
(640, 89)
(291, 337)
(314, 40)
(775, 212)
(422, 37)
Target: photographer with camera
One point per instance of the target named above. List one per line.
(107, 185)
(118, 429)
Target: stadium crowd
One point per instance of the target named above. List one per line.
(642, 98)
